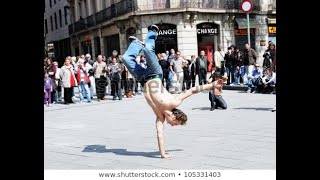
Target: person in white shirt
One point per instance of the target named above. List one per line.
(99, 73)
(219, 60)
(57, 82)
(176, 69)
(269, 82)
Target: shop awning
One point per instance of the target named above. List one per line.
(272, 20)
(242, 23)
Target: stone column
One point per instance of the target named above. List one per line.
(261, 34)
(80, 48)
(89, 7)
(92, 47)
(76, 11)
(101, 41)
(72, 46)
(83, 9)
(98, 5)
(123, 44)
(187, 39)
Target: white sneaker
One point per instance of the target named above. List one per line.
(155, 28)
(50, 105)
(132, 38)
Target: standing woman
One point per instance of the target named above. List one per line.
(73, 63)
(115, 70)
(51, 70)
(68, 80)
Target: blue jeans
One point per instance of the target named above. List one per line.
(217, 101)
(252, 82)
(230, 73)
(55, 96)
(236, 76)
(170, 77)
(135, 47)
(242, 73)
(246, 69)
(83, 87)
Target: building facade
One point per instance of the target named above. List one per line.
(56, 22)
(101, 26)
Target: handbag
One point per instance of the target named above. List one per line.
(115, 77)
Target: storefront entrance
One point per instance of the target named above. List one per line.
(167, 38)
(207, 35)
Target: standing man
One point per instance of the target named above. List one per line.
(171, 58)
(176, 69)
(114, 55)
(249, 58)
(165, 66)
(192, 70)
(219, 60)
(202, 68)
(230, 63)
(99, 69)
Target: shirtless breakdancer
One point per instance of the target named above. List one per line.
(159, 99)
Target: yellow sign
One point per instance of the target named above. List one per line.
(263, 43)
(272, 30)
(272, 21)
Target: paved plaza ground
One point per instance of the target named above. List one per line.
(122, 135)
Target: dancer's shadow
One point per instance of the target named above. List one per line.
(123, 152)
(254, 108)
(206, 108)
(202, 108)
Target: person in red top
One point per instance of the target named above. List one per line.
(82, 71)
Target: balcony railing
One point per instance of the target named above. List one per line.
(201, 4)
(114, 10)
(126, 6)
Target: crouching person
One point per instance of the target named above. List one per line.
(215, 94)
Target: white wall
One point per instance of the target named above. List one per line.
(60, 32)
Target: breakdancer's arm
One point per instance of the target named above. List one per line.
(160, 137)
(193, 90)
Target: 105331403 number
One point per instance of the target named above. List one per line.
(202, 174)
